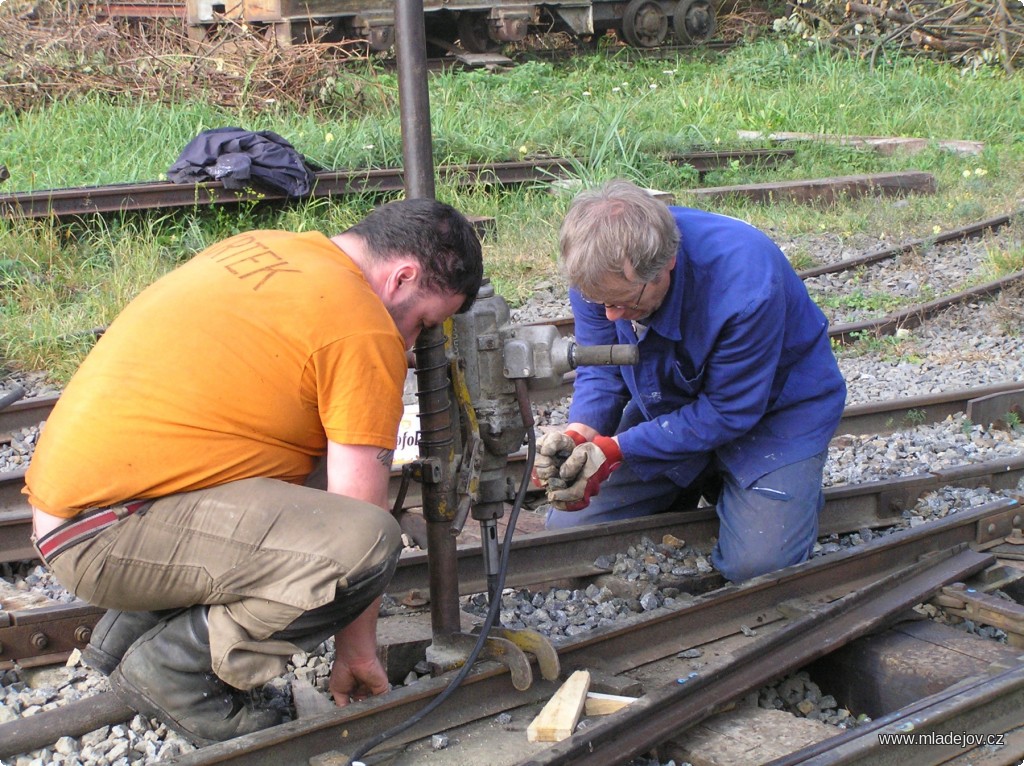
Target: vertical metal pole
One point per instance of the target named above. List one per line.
(437, 443)
(414, 99)
(437, 449)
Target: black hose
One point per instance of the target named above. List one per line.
(522, 397)
(17, 391)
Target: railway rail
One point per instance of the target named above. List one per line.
(45, 636)
(798, 613)
(983, 405)
(876, 577)
(41, 636)
(160, 195)
(559, 555)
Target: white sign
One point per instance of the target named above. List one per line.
(408, 448)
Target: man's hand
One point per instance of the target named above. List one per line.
(357, 673)
(553, 449)
(355, 680)
(583, 471)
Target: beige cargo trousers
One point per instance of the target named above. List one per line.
(275, 561)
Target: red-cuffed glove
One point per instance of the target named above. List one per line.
(553, 449)
(583, 471)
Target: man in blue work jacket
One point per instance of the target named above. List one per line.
(736, 395)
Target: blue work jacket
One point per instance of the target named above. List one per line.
(735, 362)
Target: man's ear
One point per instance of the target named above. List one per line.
(403, 278)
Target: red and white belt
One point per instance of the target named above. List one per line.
(84, 526)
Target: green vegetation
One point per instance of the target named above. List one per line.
(901, 347)
(1002, 262)
(613, 114)
(857, 300)
(916, 417)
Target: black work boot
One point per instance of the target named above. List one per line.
(167, 674)
(112, 636)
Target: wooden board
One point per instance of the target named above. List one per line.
(560, 715)
(992, 410)
(605, 704)
(882, 673)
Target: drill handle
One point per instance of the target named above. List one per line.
(615, 354)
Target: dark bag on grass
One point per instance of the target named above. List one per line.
(241, 158)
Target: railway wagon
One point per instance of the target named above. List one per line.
(479, 26)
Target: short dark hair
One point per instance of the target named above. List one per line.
(440, 237)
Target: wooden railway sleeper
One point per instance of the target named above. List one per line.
(971, 604)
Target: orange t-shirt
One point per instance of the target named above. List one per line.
(240, 363)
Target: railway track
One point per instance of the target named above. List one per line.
(779, 622)
(569, 557)
(34, 636)
(983, 405)
(156, 195)
(43, 636)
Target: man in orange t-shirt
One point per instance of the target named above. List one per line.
(168, 483)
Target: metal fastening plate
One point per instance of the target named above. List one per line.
(35, 631)
(996, 527)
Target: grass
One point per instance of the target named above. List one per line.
(1002, 262)
(612, 115)
(858, 300)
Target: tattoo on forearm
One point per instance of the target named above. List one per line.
(385, 456)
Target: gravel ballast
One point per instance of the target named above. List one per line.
(971, 345)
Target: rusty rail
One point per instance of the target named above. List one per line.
(865, 505)
(913, 316)
(652, 636)
(155, 195)
(671, 709)
(969, 231)
(655, 635)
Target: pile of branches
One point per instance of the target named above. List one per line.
(55, 52)
(971, 33)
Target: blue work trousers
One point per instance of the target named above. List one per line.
(769, 525)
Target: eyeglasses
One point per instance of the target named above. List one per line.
(617, 306)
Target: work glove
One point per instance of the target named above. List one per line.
(583, 471)
(552, 450)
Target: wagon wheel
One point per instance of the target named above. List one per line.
(474, 32)
(693, 21)
(644, 24)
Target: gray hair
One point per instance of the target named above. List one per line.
(610, 225)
